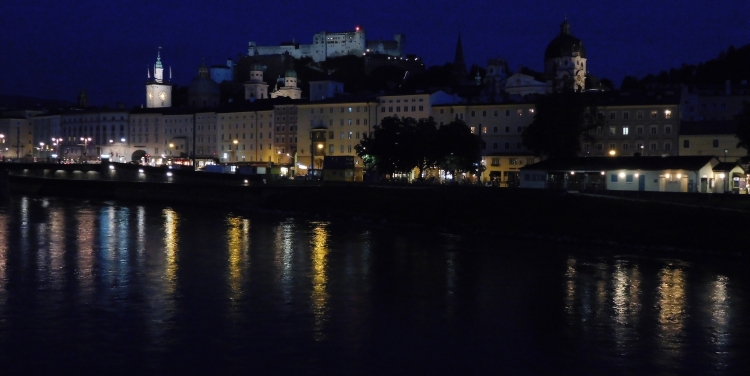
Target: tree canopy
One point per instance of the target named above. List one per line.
(561, 122)
(399, 145)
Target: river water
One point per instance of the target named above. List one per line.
(109, 287)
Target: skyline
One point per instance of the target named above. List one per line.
(105, 49)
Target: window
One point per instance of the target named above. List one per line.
(484, 113)
(599, 147)
(653, 147)
(599, 131)
(586, 147)
(612, 115)
(639, 114)
(494, 129)
(639, 130)
(625, 131)
(513, 161)
(715, 143)
(613, 178)
(653, 129)
(507, 112)
(495, 161)
(629, 178)
(473, 114)
(667, 146)
(507, 129)
(473, 129)
(342, 148)
(626, 115)
(612, 147)
(613, 131)
(686, 144)
(625, 147)
(494, 145)
(350, 135)
(342, 135)
(330, 135)
(653, 114)
(507, 145)
(667, 114)
(330, 149)
(667, 129)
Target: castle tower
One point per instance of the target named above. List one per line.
(158, 90)
(256, 88)
(565, 61)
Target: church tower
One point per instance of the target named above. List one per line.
(158, 90)
(459, 65)
(256, 88)
(565, 61)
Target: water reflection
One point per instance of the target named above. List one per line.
(238, 243)
(319, 295)
(671, 317)
(176, 281)
(171, 221)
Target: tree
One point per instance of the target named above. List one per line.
(743, 127)
(561, 122)
(399, 145)
(459, 148)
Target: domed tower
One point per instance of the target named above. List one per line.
(203, 91)
(565, 60)
(290, 88)
(256, 88)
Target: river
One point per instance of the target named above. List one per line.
(114, 287)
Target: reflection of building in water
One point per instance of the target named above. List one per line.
(171, 220)
(284, 257)
(671, 305)
(85, 239)
(626, 286)
(238, 243)
(56, 241)
(3, 257)
(319, 296)
(720, 319)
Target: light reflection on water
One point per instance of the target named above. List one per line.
(176, 290)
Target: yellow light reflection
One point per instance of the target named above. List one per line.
(570, 286)
(171, 220)
(671, 306)
(237, 243)
(319, 297)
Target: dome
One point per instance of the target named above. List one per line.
(203, 92)
(257, 67)
(564, 44)
(290, 73)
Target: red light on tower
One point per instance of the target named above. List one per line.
(356, 28)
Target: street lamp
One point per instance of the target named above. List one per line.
(85, 145)
(41, 150)
(57, 142)
(234, 151)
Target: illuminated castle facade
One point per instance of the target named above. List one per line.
(326, 45)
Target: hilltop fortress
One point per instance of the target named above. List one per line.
(326, 44)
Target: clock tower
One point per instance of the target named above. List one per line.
(158, 90)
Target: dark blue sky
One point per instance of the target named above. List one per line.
(53, 49)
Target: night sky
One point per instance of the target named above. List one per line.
(53, 49)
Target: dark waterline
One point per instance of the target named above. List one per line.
(127, 288)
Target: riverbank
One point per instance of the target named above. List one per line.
(491, 213)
